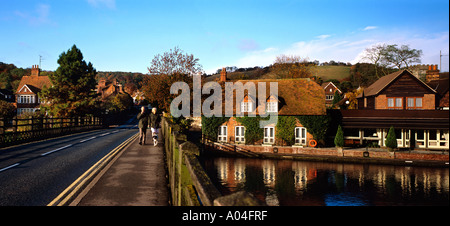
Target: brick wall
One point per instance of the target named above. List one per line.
(381, 102)
(232, 123)
(428, 102)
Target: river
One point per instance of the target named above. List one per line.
(301, 183)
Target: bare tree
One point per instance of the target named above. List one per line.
(376, 55)
(174, 62)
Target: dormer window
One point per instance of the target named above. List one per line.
(272, 107)
(246, 106)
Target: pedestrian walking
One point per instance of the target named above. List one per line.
(155, 120)
(143, 124)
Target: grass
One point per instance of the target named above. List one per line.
(325, 72)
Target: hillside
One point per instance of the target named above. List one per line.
(325, 72)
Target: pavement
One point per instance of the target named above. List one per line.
(136, 177)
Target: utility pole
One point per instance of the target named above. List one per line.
(440, 59)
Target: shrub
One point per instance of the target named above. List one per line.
(339, 139)
(391, 140)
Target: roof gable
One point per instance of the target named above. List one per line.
(384, 82)
(34, 83)
(325, 86)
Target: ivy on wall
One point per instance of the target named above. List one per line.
(286, 129)
(210, 126)
(252, 131)
(316, 125)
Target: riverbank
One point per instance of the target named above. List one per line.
(354, 155)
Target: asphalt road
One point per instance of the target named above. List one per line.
(34, 174)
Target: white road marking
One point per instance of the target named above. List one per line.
(59, 149)
(101, 135)
(9, 167)
(87, 139)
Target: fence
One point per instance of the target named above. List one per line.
(189, 183)
(16, 130)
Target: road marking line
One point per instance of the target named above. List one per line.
(101, 135)
(9, 167)
(73, 189)
(59, 149)
(87, 139)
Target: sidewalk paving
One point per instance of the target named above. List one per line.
(136, 178)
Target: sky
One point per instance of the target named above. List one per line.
(125, 35)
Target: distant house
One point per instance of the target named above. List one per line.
(330, 89)
(27, 98)
(405, 102)
(107, 89)
(295, 97)
(7, 95)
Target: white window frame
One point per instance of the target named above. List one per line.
(239, 134)
(222, 135)
(272, 107)
(269, 135)
(300, 136)
(246, 107)
(26, 99)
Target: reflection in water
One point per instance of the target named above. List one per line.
(285, 182)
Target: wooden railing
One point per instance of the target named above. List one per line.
(20, 130)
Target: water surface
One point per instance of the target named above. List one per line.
(300, 183)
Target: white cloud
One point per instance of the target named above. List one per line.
(351, 48)
(111, 4)
(323, 36)
(370, 28)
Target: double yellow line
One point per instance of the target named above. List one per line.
(70, 193)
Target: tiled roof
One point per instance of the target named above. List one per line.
(35, 83)
(295, 97)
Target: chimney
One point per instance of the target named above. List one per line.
(35, 70)
(223, 75)
(432, 73)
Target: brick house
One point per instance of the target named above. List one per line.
(330, 89)
(107, 89)
(27, 94)
(295, 97)
(401, 100)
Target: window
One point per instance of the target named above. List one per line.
(300, 135)
(222, 134)
(414, 103)
(269, 135)
(395, 103)
(272, 107)
(246, 107)
(239, 134)
(26, 99)
(329, 97)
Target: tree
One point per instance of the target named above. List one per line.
(339, 139)
(73, 91)
(7, 110)
(337, 97)
(156, 89)
(403, 56)
(383, 55)
(391, 139)
(375, 55)
(174, 61)
(292, 67)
